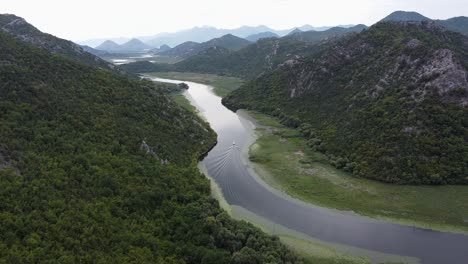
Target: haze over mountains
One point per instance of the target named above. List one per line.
(202, 34)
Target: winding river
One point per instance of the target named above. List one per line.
(227, 164)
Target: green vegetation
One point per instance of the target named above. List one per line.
(286, 162)
(27, 33)
(222, 85)
(99, 168)
(400, 120)
(247, 63)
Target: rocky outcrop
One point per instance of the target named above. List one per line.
(20, 29)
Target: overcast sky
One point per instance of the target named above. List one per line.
(85, 19)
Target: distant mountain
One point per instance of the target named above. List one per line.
(25, 32)
(160, 49)
(202, 34)
(267, 34)
(187, 49)
(93, 51)
(255, 59)
(405, 16)
(295, 31)
(108, 45)
(164, 47)
(134, 45)
(183, 50)
(315, 36)
(457, 24)
(228, 41)
(249, 62)
(389, 103)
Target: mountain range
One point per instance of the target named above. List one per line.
(203, 34)
(133, 45)
(389, 103)
(188, 49)
(252, 60)
(457, 24)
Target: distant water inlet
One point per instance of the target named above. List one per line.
(228, 165)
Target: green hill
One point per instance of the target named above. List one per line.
(99, 168)
(25, 32)
(252, 60)
(389, 103)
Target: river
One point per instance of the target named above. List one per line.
(227, 164)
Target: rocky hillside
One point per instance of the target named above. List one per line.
(23, 31)
(389, 103)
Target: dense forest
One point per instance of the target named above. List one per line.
(98, 168)
(387, 104)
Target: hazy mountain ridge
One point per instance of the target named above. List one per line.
(257, 58)
(132, 46)
(262, 35)
(390, 102)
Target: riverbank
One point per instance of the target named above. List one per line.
(222, 85)
(283, 160)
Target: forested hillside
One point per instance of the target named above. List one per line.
(25, 32)
(99, 168)
(251, 60)
(389, 103)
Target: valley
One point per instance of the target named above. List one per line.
(247, 196)
(154, 137)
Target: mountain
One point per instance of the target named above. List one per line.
(228, 41)
(189, 49)
(109, 46)
(164, 48)
(390, 103)
(267, 34)
(315, 36)
(99, 167)
(202, 34)
(295, 31)
(457, 24)
(132, 46)
(95, 52)
(405, 16)
(183, 50)
(255, 59)
(25, 32)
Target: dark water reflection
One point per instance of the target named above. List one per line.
(228, 168)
